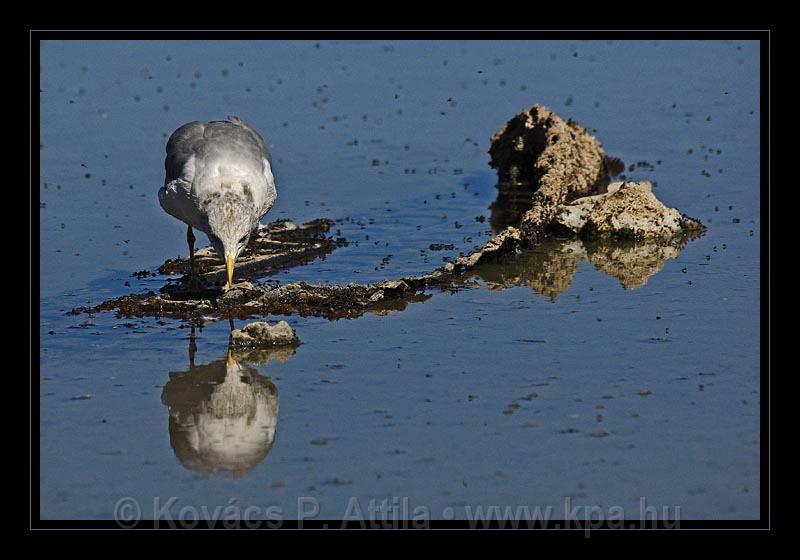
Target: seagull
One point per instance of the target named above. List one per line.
(219, 181)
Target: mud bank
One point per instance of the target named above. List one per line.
(296, 298)
(279, 245)
(553, 171)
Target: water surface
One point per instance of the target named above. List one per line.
(552, 379)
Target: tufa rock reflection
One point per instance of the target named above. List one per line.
(223, 416)
(548, 268)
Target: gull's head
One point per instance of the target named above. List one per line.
(231, 216)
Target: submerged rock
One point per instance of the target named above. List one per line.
(628, 210)
(261, 334)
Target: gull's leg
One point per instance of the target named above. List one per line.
(190, 239)
(192, 348)
(230, 341)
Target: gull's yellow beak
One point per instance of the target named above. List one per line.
(229, 268)
(229, 359)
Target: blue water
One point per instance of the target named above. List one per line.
(394, 136)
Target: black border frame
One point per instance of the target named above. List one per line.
(401, 29)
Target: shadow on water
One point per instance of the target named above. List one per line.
(223, 416)
(548, 268)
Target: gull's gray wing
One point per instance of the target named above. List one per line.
(175, 196)
(182, 145)
(235, 132)
(197, 139)
(256, 136)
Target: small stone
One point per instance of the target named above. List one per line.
(377, 296)
(261, 334)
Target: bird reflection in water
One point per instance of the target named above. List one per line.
(223, 415)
